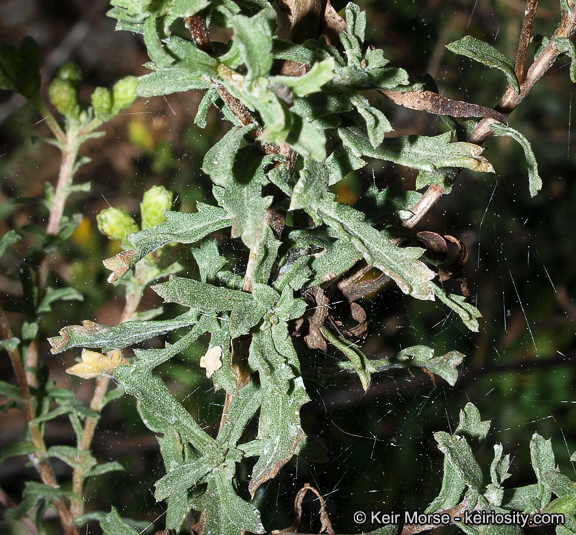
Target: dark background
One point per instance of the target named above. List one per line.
(366, 451)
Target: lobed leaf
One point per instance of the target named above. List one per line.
(152, 393)
(402, 265)
(178, 227)
(419, 152)
(460, 457)
(112, 524)
(200, 295)
(94, 335)
(471, 425)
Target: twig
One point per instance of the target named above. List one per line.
(524, 43)
(43, 467)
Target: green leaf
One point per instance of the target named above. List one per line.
(243, 318)
(61, 294)
(16, 449)
(148, 359)
(44, 492)
(353, 38)
(567, 47)
(358, 360)
(8, 239)
(534, 180)
(112, 524)
(525, 498)
(443, 365)
(152, 393)
(451, 492)
(226, 512)
(187, 8)
(94, 335)
(377, 125)
(279, 430)
(498, 473)
(182, 478)
(219, 160)
(471, 425)
(560, 484)
(104, 468)
(311, 186)
(459, 455)
(311, 82)
(402, 265)
(178, 227)
(174, 454)
(254, 38)
(77, 459)
(467, 312)
(243, 406)
(420, 152)
(268, 247)
(168, 81)
(487, 55)
(10, 391)
(208, 259)
(243, 196)
(200, 295)
(542, 458)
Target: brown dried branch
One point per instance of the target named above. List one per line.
(525, 35)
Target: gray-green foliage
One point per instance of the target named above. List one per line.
(324, 118)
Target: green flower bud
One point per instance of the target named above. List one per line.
(102, 103)
(124, 93)
(155, 201)
(64, 97)
(71, 72)
(116, 223)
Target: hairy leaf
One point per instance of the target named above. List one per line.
(200, 295)
(534, 180)
(419, 152)
(279, 429)
(402, 265)
(471, 425)
(91, 334)
(487, 55)
(112, 524)
(226, 512)
(459, 455)
(178, 227)
(567, 47)
(542, 458)
(254, 39)
(153, 394)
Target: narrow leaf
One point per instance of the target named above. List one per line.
(254, 39)
(311, 186)
(178, 227)
(420, 152)
(567, 47)
(402, 265)
(310, 82)
(153, 394)
(94, 335)
(182, 478)
(542, 458)
(112, 524)
(200, 295)
(8, 239)
(459, 455)
(487, 55)
(534, 180)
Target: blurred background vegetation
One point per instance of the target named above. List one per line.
(366, 451)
